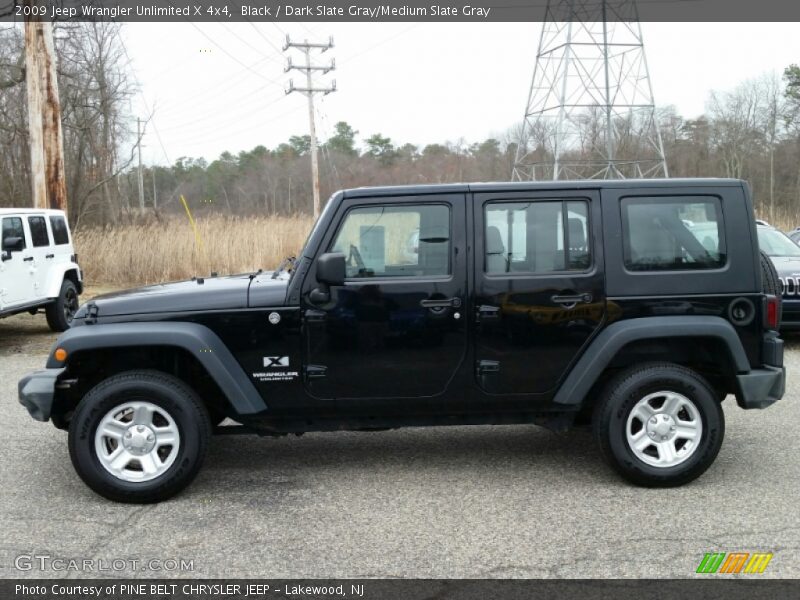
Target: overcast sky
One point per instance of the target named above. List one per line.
(418, 83)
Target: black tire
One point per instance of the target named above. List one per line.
(165, 391)
(622, 394)
(61, 310)
(771, 283)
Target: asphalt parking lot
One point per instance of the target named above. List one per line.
(458, 502)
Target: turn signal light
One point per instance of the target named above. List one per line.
(60, 354)
(772, 312)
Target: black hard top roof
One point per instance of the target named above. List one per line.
(521, 186)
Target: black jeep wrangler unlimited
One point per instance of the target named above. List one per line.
(633, 306)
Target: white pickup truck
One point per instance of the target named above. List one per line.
(38, 265)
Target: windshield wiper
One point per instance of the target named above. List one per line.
(288, 261)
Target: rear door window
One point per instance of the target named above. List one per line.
(60, 232)
(536, 237)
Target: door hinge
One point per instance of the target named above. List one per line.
(315, 372)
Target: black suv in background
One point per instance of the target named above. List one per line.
(785, 255)
(634, 306)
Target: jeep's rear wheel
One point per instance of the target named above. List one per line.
(139, 436)
(659, 424)
(61, 310)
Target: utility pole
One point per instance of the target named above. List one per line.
(141, 177)
(49, 189)
(155, 194)
(309, 91)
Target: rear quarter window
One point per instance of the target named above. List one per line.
(60, 232)
(673, 233)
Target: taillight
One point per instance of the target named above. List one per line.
(772, 312)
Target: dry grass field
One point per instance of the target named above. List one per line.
(167, 250)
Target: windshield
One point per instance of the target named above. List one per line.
(774, 243)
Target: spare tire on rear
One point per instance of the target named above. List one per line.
(770, 283)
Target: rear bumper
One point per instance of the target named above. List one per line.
(36, 392)
(760, 388)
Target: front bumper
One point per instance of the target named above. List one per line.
(36, 392)
(761, 388)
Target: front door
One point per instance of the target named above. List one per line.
(16, 279)
(395, 330)
(539, 287)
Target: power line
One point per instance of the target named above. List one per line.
(219, 87)
(245, 42)
(144, 100)
(231, 56)
(240, 107)
(208, 134)
(259, 32)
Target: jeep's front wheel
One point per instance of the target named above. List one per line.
(659, 425)
(139, 436)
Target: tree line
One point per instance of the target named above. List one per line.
(750, 132)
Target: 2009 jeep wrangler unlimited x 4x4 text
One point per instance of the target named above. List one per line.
(636, 306)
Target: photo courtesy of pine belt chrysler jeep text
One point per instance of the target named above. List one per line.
(634, 307)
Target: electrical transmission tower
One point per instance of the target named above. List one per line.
(309, 91)
(590, 111)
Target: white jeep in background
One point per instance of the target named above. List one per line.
(38, 265)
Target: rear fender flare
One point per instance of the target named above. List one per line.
(56, 276)
(588, 369)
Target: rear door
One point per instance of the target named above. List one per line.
(42, 253)
(539, 287)
(16, 281)
(393, 335)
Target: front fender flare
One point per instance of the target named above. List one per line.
(202, 343)
(587, 370)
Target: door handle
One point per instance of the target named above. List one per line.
(488, 366)
(315, 372)
(315, 316)
(486, 311)
(49, 255)
(440, 303)
(571, 299)
(27, 259)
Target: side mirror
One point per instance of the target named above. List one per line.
(13, 244)
(330, 271)
(331, 268)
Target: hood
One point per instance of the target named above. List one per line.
(787, 265)
(213, 293)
